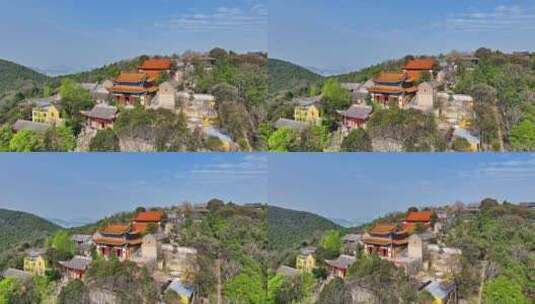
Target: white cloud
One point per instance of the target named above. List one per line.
(505, 170)
(221, 19)
(501, 18)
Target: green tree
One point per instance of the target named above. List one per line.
(61, 241)
(503, 291)
(313, 139)
(8, 287)
(105, 141)
(335, 293)
(461, 145)
(74, 292)
(331, 242)
(74, 99)
(25, 141)
(358, 140)
(282, 140)
(60, 139)
(522, 136)
(5, 137)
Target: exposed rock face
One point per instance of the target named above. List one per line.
(386, 145)
(84, 139)
(135, 145)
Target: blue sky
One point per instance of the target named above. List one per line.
(341, 35)
(356, 186)
(362, 186)
(91, 186)
(78, 34)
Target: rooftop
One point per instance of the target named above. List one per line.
(37, 127)
(101, 111)
(179, 288)
(78, 262)
(419, 216)
(342, 262)
(118, 229)
(307, 101)
(148, 216)
(420, 64)
(132, 77)
(16, 274)
(156, 64)
(357, 111)
(391, 77)
(287, 271)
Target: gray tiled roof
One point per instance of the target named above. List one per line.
(287, 271)
(16, 274)
(289, 123)
(101, 111)
(78, 262)
(343, 261)
(37, 127)
(357, 111)
(307, 101)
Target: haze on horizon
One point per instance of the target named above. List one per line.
(352, 186)
(71, 35)
(71, 187)
(360, 187)
(343, 35)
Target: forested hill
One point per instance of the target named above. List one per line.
(18, 227)
(284, 75)
(15, 77)
(289, 228)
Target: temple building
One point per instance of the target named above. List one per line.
(355, 117)
(305, 260)
(308, 110)
(117, 239)
(393, 88)
(417, 217)
(47, 110)
(130, 88)
(156, 67)
(339, 266)
(35, 262)
(387, 240)
(145, 218)
(416, 68)
(75, 268)
(102, 116)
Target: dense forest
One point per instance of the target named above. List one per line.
(19, 231)
(15, 77)
(497, 245)
(285, 76)
(288, 229)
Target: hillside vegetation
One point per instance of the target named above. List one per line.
(20, 230)
(15, 77)
(284, 75)
(289, 228)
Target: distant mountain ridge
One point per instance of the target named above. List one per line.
(17, 227)
(289, 228)
(15, 77)
(284, 75)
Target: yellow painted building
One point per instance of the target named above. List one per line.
(305, 261)
(46, 110)
(35, 263)
(307, 110)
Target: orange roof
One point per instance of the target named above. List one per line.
(419, 216)
(420, 64)
(148, 216)
(139, 227)
(391, 77)
(377, 241)
(392, 89)
(128, 89)
(414, 75)
(153, 74)
(156, 64)
(131, 77)
(117, 241)
(383, 228)
(115, 229)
